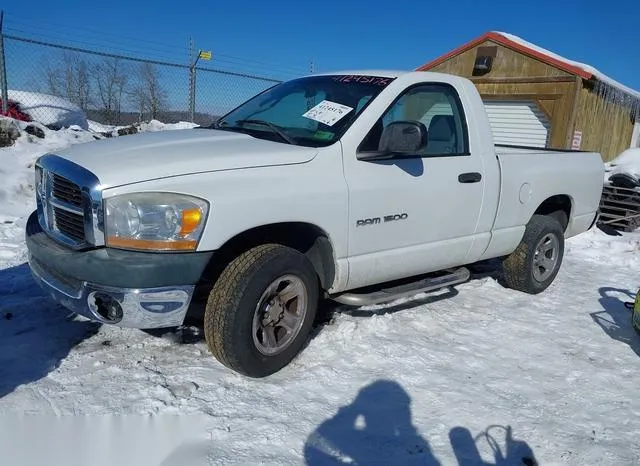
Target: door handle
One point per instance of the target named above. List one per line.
(472, 177)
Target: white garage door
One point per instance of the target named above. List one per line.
(518, 123)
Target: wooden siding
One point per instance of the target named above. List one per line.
(566, 99)
(507, 63)
(606, 126)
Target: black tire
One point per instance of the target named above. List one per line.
(518, 267)
(561, 217)
(232, 303)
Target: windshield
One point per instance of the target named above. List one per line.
(312, 111)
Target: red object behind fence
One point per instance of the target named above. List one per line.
(14, 111)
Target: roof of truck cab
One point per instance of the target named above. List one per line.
(408, 76)
(387, 74)
(377, 73)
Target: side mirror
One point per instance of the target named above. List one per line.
(403, 138)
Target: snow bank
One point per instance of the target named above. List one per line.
(155, 125)
(97, 127)
(16, 169)
(50, 110)
(150, 126)
(627, 162)
(587, 68)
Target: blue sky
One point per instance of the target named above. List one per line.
(282, 38)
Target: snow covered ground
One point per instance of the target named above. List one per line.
(435, 380)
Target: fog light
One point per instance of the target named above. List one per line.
(106, 307)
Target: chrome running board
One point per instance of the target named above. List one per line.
(454, 277)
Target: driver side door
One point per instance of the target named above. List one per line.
(416, 213)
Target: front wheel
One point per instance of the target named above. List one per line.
(533, 266)
(260, 311)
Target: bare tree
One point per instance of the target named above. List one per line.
(111, 83)
(54, 84)
(70, 79)
(149, 96)
(138, 98)
(157, 94)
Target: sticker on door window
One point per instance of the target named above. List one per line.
(327, 112)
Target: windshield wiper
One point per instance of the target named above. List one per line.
(271, 126)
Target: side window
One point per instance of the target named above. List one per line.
(362, 102)
(438, 108)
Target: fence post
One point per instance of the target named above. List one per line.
(192, 82)
(192, 93)
(192, 89)
(3, 70)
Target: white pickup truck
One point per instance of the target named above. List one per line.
(361, 187)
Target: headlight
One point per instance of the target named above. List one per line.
(155, 221)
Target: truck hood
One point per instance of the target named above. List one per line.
(146, 156)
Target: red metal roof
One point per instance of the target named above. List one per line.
(500, 39)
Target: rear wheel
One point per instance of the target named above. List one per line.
(533, 266)
(260, 311)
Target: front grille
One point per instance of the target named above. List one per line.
(68, 199)
(69, 223)
(66, 190)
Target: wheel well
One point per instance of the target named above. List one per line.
(309, 239)
(556, 206)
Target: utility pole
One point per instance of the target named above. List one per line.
(192, 74)
(205, 55)
(3, 70)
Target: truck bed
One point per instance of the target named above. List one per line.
(526, 181)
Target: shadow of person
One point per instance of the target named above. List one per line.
(376, 428)
(615, 318)
(465, 448)
(36, 334)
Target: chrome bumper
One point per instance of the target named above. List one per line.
(122, 307)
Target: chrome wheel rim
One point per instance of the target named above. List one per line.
(279, 315)
(545, 257)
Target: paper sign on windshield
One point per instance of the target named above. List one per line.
(327, 112)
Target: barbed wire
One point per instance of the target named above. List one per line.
(221, 63)
(30, 23)
(136, 59)
(25, 25)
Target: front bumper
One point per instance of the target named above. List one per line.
(122, 288)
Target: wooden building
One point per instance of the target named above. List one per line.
(537, 98)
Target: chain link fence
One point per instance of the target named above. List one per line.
(60, 86)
